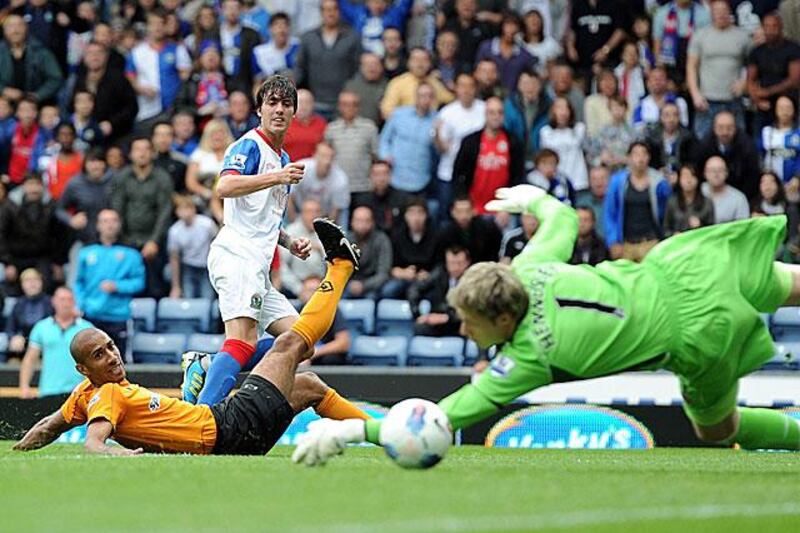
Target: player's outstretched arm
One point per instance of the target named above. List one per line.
(234, 185)
(43, 432)
(98, 431)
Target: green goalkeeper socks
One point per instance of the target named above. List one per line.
(767, 429)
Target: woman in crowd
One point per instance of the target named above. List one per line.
(205, 164)
(565, 136)
(687, 208)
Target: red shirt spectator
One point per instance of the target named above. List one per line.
(492, 171)
(306, 130)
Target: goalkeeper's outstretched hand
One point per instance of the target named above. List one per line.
(326, 438)
(515, 199)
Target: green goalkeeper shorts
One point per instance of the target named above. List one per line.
(721, 278)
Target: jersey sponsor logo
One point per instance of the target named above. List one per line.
(502, 366)
(238, 161)
(155, 402)
(94, 400)
(570, 426)
(325, 286)
(255, 301)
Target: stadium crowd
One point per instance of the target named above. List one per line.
(650, 117)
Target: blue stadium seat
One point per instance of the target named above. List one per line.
(205, 342)
(786, 324)
(143, 314)
(379, 351)
(8, 307)
(470, 353)
(787, 357)
(394, 318)
(360, 316)
(183, 315)
(163, 348)
(3, 347)
(435, 351)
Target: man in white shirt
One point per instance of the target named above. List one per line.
(325, 182)
(729, 203)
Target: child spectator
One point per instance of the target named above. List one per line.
(188, 242)
(631, 75)
(185, 137)
(546, 175)
(86, 126)
(204, 91)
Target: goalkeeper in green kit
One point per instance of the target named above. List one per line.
(691, 307)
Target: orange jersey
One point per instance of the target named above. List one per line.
(142, 418)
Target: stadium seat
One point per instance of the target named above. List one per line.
(787, 357)
(3, 347)
(205, 342)
(379, 351)
(183, 315)
(360, 316)
(470, 353)
(786, 324)
(394, 318)
(143, 314)
(163, 348)
(435, 351)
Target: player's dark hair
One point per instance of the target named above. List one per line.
(279, 86)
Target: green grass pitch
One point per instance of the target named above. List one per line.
(60, 488)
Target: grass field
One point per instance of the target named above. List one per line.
(474, 489)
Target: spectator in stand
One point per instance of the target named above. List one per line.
(589, 247)
(538, 42)
(355, 140)
(87, 128)
(170, 161)
(22, 141)
(406, 142)
(115, 101)
(327, 58)
(332, 348)
(386, 202)
(401, 91)
(156, 69)
(238, 42)
(394, 53)
(205, 26)
(565, 135)
(188, 242)
(142, 196)
(635, 204)
(305, 14)
(562, 83)
(446, 65)
(257, 17)
(306, 130)
(488, 159)
(30, 308)
(773, 69)
(442, 319)
(240, 117)
(595, 196)
(598, 28)
(205, 163)
(278, 54)
(780, 145)
(376, 255)
(671, 143)
(109, 276)
(649, 109)
(510, 57)
(771, 200)
(609, 145)
(597, 106)
(369, 19)
(729, 203)
(545, 175)
(487, 78)
(294, 270)
(687, 208)
(673, 26)
(477, 234)
(641, 30)
(738, 151)
(104, 35)
(631, 75)
(470, 31)
(204, 93)
(526, 112)
(31, 233)
(115, 159)
(84, 197)
(370, 85)
(717, 56)
(413, 249)
(324, 183)
(27, 69)
(184, 128)
(515, 240)
(49, 342)
(455, 121)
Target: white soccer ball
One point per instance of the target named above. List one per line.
(416, 433)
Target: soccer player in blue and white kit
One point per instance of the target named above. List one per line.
(254, 184)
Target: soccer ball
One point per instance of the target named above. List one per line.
(416, 433)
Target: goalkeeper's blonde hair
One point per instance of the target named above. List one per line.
(490, 289)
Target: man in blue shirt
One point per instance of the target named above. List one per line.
(50, 340)
(108, 276)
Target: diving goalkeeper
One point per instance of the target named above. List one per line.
(691, 307)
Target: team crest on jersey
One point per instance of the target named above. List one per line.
(155, 402)
(502, 366)
(238, 161)
(256, 301)
(502, 146)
